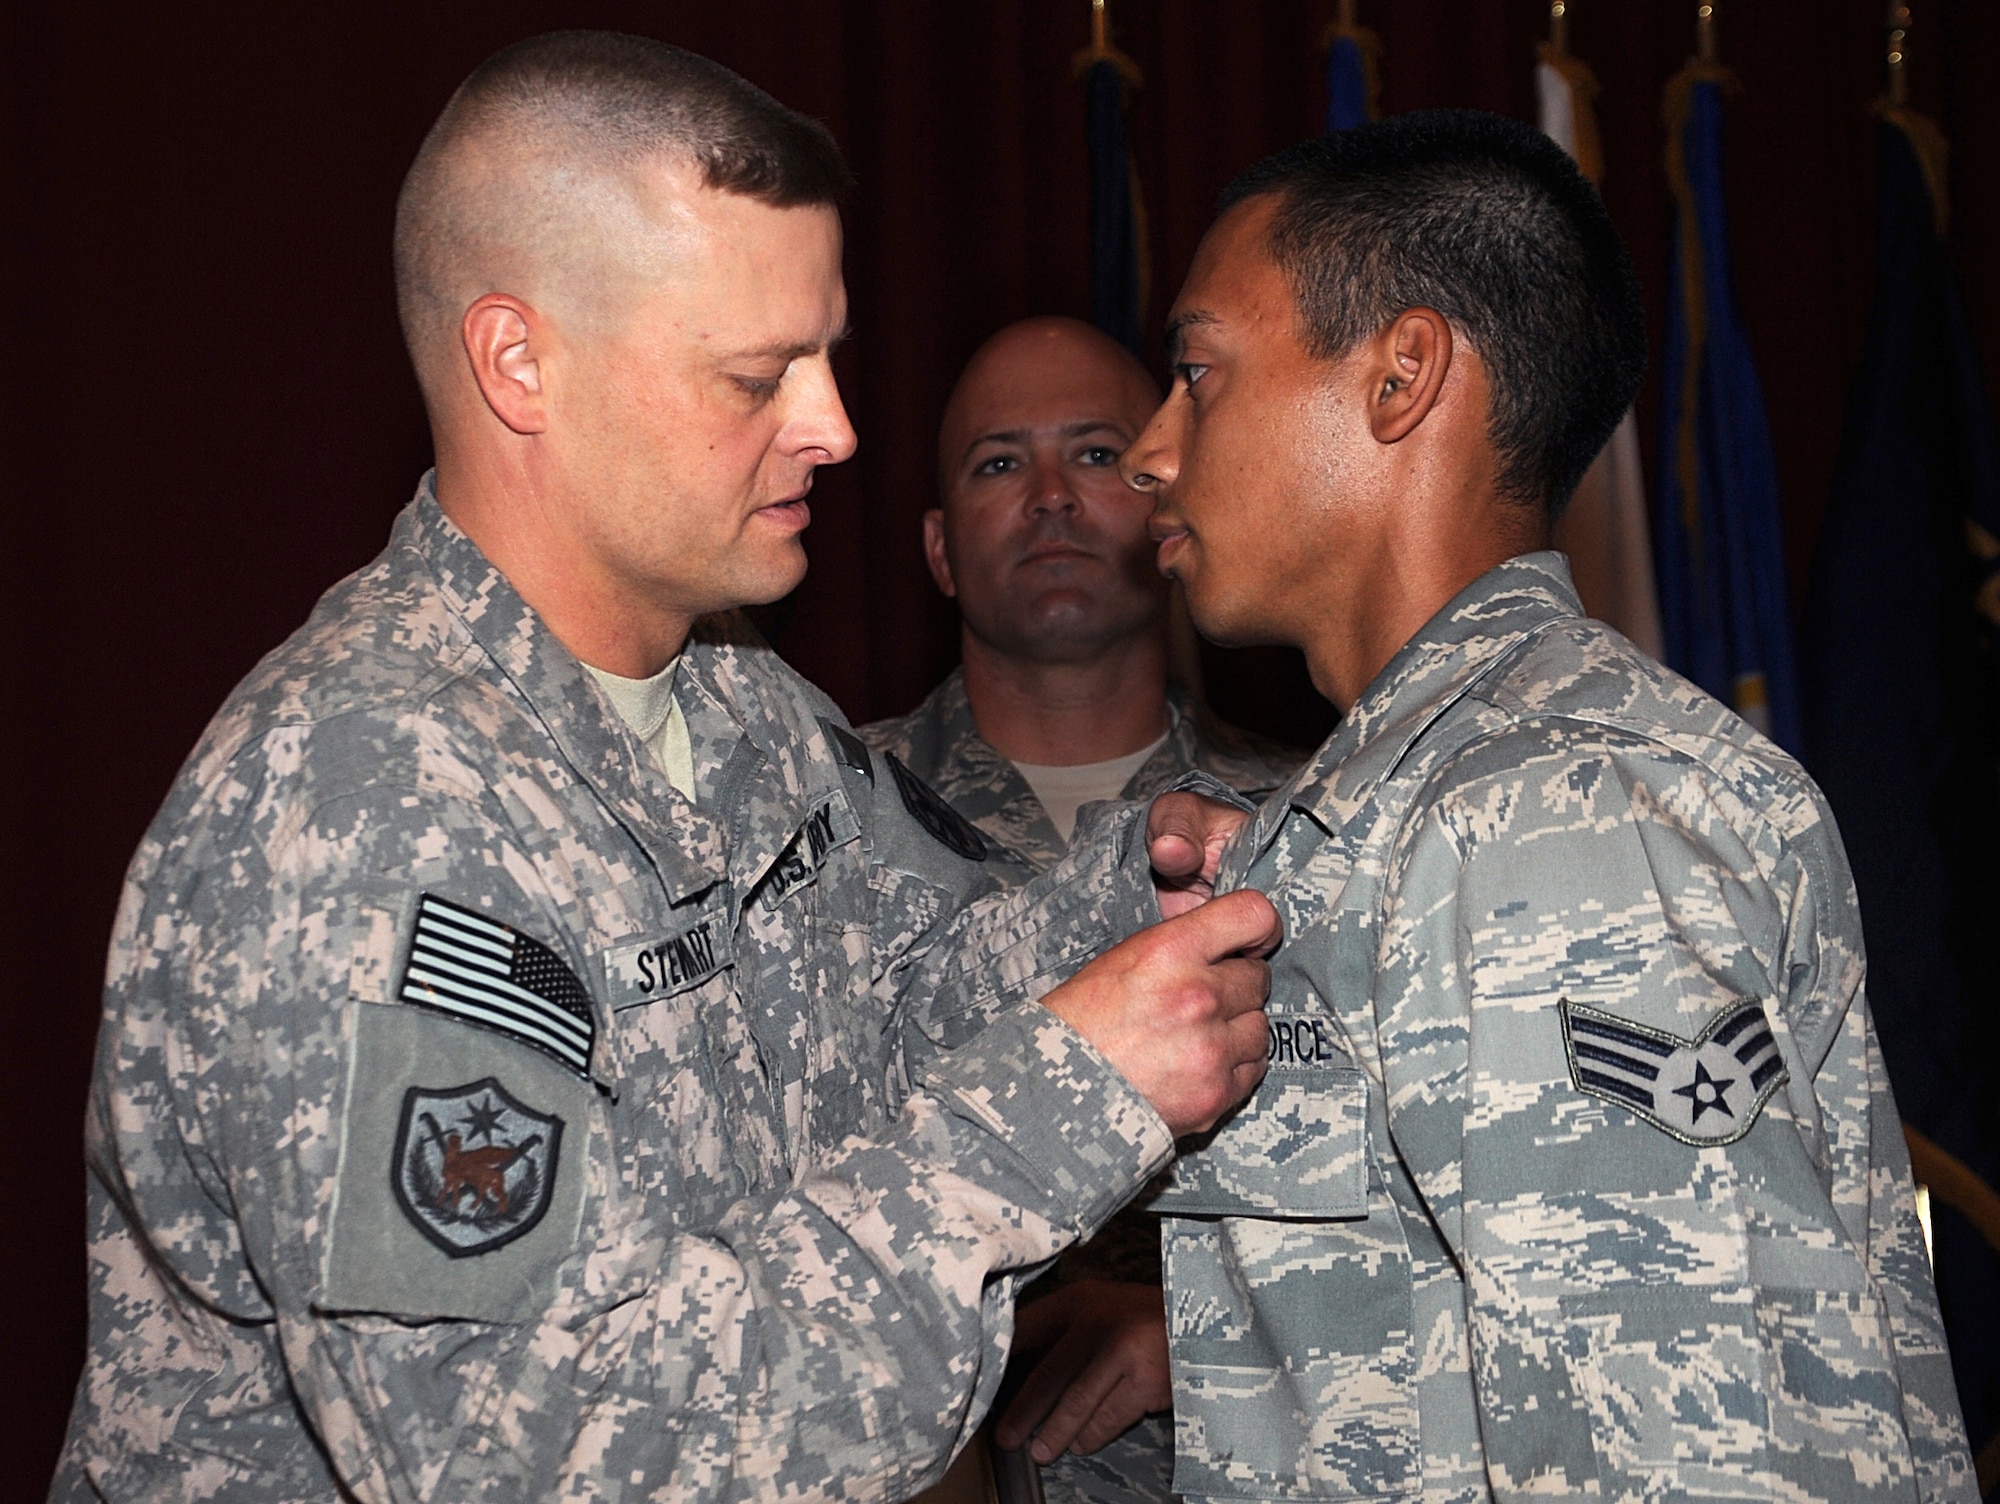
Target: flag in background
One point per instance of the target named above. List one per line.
(1353, 84)
(1603, 530)
(1118, 269)
(1718, 544)
(1902, 704)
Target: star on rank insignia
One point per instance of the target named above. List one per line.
(1705, 1090)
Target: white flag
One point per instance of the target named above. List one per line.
(1604, 530)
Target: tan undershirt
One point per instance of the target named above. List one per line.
(651, 709)
(1065, 790)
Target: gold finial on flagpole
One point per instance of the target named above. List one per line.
(1899, 30)
(1101, 50)
(1558, 27)
(1704, 31)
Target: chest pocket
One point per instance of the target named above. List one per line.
(1289, 1307)
(704, 1129)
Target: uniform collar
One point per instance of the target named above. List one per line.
(1445, 659)
(687, 851)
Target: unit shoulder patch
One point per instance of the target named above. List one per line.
(928, 808)
(474, 1166)
(490, 974)
(1705, 1090)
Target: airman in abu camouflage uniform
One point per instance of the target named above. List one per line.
(481, 1114)
(1575, 1171)
(1064, 636)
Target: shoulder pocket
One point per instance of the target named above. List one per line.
(459, 1189)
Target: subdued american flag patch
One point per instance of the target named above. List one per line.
(488, 973)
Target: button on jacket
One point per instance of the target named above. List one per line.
(477, 1118)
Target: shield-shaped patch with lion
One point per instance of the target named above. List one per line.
(474, 1166)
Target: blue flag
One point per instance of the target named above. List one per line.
(1718, 547)
(1351, 77)
(1902, 684)
(1117, 241)
(1346, 85)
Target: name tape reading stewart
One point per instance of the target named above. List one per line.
(664, 965)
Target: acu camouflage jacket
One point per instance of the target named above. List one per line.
(477, 1119)
(940, 743)
(1575, 1172)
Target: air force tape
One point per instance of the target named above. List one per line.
(1705, 1090)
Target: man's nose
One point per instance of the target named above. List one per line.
(820, 419)
(1152, 461)
(1049, 489)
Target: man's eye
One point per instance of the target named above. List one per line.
(1000, 464)
(1098, 454)
(1189, 372)
(757, 386)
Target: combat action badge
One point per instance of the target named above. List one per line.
(926, 805)
(1705, 1090)
(474, 1167)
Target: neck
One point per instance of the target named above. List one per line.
(1409, 582)
(1062, 714)
(521, 526)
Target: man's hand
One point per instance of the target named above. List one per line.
(1102, 1365)
(1179, 1008)
(1185, 834)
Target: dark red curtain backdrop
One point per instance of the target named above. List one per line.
(209, 418)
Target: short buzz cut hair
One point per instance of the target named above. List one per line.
(1490, 223)
(603, 102)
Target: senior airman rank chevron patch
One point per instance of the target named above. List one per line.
(1705, 1090)
(491, 974)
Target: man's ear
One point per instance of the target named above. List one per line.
(1408, 363)
(934, 554)
(499, 333)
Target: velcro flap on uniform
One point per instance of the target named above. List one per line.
(700, 944)
(1297, 1148)
(460, 1185)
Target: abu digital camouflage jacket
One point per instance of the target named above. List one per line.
(941, 744)
(476, 1119)
(1575, 1172)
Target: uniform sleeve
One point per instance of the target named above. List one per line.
(1629, 1066)
(1011, 948)
(253, 1138)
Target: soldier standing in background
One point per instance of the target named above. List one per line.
(544, 1052)
(1063, 697)
(1062, 694)
(1575, 1171)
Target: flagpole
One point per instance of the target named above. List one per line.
(1899, 30)
(1558, 28)
(1704, 32)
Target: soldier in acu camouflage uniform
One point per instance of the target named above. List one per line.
(1063, 691)
(1063, 616)
(522, 1080)
(1575, 1172)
